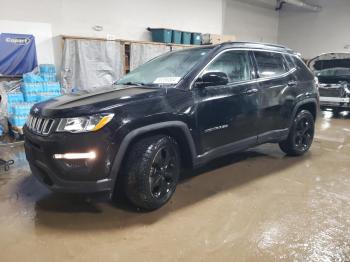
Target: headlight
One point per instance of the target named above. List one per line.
(84, 123)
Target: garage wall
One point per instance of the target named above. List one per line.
(247, 20)
(314, 33)
(252, 21)
(129, 18)
(117, 17)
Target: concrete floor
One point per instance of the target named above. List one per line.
(255, 206)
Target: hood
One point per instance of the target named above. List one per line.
(87, 103)
(330, 60)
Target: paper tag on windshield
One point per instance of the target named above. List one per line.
(167, 80)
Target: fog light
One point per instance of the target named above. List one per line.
(90, 155)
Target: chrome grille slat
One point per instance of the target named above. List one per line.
(46, 121)
(30, 121)
(40, 125)
(37, 125)
(34, 123)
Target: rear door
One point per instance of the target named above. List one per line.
(277, 85)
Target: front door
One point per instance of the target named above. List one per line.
(227, 110)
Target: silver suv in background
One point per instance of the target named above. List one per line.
(333, 73)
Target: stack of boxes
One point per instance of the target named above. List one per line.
(35, 88)
(165, 35)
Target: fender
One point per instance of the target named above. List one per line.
(301, 103)
(145, 129)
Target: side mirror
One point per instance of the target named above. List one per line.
(212, 79)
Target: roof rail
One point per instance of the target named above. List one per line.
(261, 43)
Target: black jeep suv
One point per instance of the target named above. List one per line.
(183, 108)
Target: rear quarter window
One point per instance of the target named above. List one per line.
(270, 64)
(303, 72)
(290, 61)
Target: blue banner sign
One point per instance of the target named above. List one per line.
(17, 54)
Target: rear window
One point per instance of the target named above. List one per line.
(270, 64)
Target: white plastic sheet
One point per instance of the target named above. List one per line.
(141, 53)
(90, 64)
(5, 87)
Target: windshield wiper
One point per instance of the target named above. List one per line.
(131, 84)
(138, 84)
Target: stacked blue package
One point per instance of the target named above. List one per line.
(19, 113)
(31, 97)
(47, 68)
(35, 88)
(53, 87)
(48, 77)
(10, 108)
(31, 87)
(48, 95)
(21, 109)
(15, 97)
(17, 121)
(32, 78)
(37, 92)
(48, 72)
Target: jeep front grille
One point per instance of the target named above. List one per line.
(40, 125)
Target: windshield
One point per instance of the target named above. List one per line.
(333, 75)
(167, 69)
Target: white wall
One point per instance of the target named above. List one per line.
(125, 19)
(250, 22)
(128, 19)
(314, 33)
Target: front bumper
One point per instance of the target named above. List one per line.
(71, 176)
(51, 180)
(343, 102)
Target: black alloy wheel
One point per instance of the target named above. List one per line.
(301, 134)
(151, 172)
(304, 134)
(163, 172)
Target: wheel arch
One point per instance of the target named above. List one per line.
(177, 129)
(309, 104)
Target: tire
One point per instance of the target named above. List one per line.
(152, 172)
(300, 135)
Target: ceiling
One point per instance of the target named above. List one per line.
(262, 3)
(271, 4)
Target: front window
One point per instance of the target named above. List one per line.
(234, 64)
(167, 69)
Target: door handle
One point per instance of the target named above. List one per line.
(250, 91)
(292, 83)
